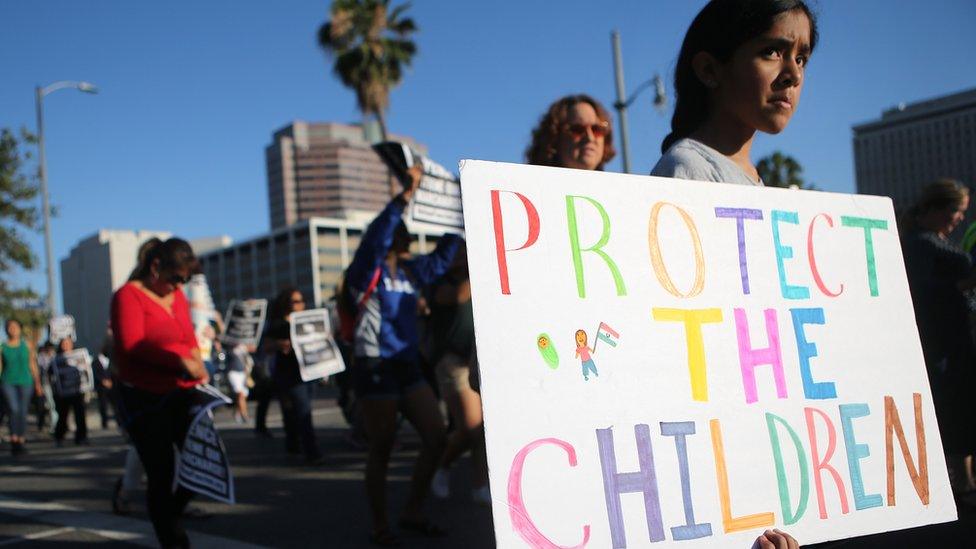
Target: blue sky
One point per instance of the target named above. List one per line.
(191, 91)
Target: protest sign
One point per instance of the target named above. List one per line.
(438, 198)
(202, 466)
(81, 360)
(691, 363)
(314, 347)
(61, 327)
(244, 322)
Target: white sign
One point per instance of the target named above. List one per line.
(438, 198)
(691, 363)
(314, 347)
(244, 321)
(203, 466)
(81, 360)
(61, 327)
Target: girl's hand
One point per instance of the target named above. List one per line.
(194, 366)
(776, 539)
(284, 345)
(415, 172)
(38, 390)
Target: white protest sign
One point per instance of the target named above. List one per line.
(438, 197)
(61, 327)
(81, 360)
(314, 347)
(244, 321)
(691, 363)
(202, 465)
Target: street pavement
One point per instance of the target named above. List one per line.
(59, 497)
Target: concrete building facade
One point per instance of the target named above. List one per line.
(325, 170)
(94, 269)
(911, 145)
(310, 255)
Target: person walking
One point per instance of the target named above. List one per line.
(19, 379)
(69, 395)
(159, 365)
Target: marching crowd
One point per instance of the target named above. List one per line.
(405, 323)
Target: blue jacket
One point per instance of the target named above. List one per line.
(387, 325)
(65, 378)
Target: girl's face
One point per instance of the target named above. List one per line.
(13, 330)
(67, 345)
(946, 220)
(580, 143)
(760, 86)
(297, 302)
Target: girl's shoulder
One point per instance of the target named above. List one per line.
(688, 159)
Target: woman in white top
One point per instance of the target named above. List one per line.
(740, 70)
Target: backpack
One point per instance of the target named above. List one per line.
(350, 310)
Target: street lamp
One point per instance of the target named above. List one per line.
(39, 94)
(621, 104)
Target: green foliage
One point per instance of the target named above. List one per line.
(780, 170)
(18, 194)
(371, 46)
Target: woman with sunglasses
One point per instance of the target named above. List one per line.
(158, 364)
(295, 395)
(575, 133)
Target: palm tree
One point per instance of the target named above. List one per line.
(371, 46)
(780, 170)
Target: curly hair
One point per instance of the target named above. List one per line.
(542, 150)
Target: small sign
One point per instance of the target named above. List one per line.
(244, 322)
(438, 198)
(61, 327)
(314, 347)
(81, 360)
(203, 466)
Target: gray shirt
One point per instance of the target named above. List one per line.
(690, 159)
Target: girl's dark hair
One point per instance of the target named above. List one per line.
(719, 29)
(281, 304)
(172, 254)
(542, 150)
(13, 321)
(941, 194)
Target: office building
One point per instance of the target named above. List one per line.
(913, 144)
(325, 170)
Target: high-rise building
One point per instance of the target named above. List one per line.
(911, 145)
(93, 270)
(309, 255)
(325, 170)
(99, 265)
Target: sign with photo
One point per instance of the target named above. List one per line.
(314, 346)
(203, 466)
(686, 364)
(244, 322)
(61, 327)
(438, 198)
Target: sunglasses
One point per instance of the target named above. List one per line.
(177, 278)
(297, 301)
(578, 131)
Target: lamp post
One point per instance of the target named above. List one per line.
(623, 102)
(39, 94)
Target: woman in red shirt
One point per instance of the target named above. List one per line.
(158, 365)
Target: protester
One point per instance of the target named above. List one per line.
(239, 366)
(159, 364)
(69, 395)
(939, 273)
(386, 373)
(46, 409)
(740, 70)
(575, 132)
(296, 395)
(262, 391)
(18, 378)
(452, 351)
(101, 368)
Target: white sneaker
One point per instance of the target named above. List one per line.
(440, 486)
(481, 495)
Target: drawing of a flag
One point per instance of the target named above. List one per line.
(608, 334)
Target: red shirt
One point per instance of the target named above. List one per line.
(150, 343)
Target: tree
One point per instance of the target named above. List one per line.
(371, 46)
(780, 170)
(18, 191)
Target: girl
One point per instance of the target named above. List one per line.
(740, 70)
(69, 396)
(18, 378)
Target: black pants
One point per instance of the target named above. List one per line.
(155, 424)
(104, 404)
(296, 407)
(74, 404)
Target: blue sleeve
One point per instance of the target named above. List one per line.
(428, 268)
(374, 245)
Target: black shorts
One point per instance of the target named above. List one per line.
(383, 379)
